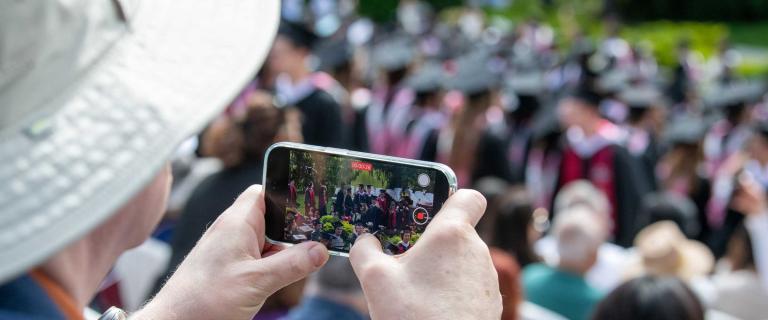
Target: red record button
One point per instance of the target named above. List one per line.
(420, 216)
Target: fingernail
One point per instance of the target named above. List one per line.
(318, 254)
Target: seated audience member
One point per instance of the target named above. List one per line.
(240, 144)
(739, 290)
(668, 206)
(513, 226)
(333, 293)
(562, 288)
(751, 200)
(661, 249)
(279, 304)
(651, 297)
(337, 239)
(612, 259)
(405, 242)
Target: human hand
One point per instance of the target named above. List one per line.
(448, 274)
(750, 197)
(232, 270)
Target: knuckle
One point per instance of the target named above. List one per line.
(457, 230)
(374, 272)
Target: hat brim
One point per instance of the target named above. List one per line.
(178, 66)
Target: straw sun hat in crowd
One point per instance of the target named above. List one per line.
(663, 249)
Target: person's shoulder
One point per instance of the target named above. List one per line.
(320, 96)
(536, 271)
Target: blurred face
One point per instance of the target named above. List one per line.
(339, 230)
(285, 56)
(406, 237)
(358, 229)
(574, 113)
(758, 148)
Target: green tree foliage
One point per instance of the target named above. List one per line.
(709, 10)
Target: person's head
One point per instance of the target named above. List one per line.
(578, 236)
(740, 252)
(292, 47)
(349, 190)
(580, 109)
(359, 229)
(339, 230)
(360, 187)
(310, 185)
(513, 228)
(758, 143)
(236, 141)
(667, 206)
(406, 237)
(649, 297)
(582, 193)
(370, 188)
(318, 225)
(337, 281)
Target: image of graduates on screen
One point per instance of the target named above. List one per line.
(333, 200)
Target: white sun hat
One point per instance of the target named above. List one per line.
(96, 94)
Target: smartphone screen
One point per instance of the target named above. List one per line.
(333, 198)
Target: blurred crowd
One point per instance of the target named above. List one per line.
(617, 189)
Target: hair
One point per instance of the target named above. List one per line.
(248, 138)
(513, 218)
(650, 297)
(582, 193)
(577, 234)
(337, 276)
(740, 251)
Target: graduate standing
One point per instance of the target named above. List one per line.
(295, 85)
(425, 116)
(593, 151)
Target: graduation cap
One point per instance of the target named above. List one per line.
(587, 95)
(427, 78)
(333, 54)
(734, 95)
(298, 34)
(394, 53)
(474, 75)
(641, 97)
(527, 83)
(613, 81)
(685, 131)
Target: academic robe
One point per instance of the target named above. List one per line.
(322, 124)
(503, 153)
(292, 194)
(612, 170)
(338, 206)
(309, 199)
(646, 152)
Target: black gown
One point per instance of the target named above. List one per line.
(322, 124)
(629, 188)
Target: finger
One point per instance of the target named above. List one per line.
(289, 265)
(366, 251)
(465, 205)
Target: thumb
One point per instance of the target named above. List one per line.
(290, 265)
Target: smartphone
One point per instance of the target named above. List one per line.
(332, 196)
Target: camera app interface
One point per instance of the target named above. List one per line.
(333, 200)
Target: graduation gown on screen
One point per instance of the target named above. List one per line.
(603, 161)
(322, 123)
